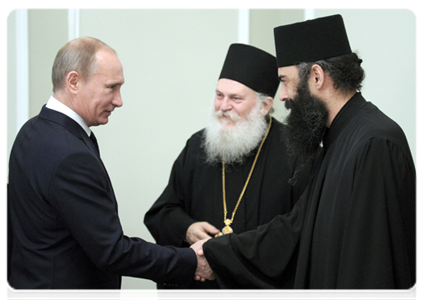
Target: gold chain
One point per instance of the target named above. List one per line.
(227, 229)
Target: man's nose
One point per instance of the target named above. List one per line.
(226, 104)
(283, 94)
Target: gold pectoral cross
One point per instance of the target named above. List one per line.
(227, 229)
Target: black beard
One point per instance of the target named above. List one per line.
(305, 126)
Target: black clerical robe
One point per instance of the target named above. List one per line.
(194, 193)
(354, 227)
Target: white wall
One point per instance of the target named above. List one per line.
(11, 81)
(172, 59)
(386, 41)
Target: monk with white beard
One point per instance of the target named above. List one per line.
(235, 174)
(232, 135)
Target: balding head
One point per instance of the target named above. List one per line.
(77, 55)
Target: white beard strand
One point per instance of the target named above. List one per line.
(236, 142)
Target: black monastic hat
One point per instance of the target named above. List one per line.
(311, 41)
(252, 67)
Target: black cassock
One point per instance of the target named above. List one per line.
(194, 193)
(353, 228)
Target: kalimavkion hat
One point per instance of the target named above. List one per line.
(252, 67)
(311, 41)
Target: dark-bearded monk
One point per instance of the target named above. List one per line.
(238, 163)
(354, 226)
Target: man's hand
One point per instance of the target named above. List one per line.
(203, 271)
(200, 231)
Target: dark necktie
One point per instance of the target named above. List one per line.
(92, 137)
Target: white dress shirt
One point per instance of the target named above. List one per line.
(56, 105)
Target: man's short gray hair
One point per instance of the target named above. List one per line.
(263, 98)
(77, 55)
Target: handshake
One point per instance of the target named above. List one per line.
(197, 234)
(203, 270)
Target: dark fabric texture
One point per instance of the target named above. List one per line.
(64, 228)
(252, 67)
(194, 193)
(353, 228)
(310, 41)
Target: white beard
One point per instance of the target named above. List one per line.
(235, 142)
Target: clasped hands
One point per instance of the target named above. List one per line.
(197, 235)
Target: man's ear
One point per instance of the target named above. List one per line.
(267, 105)
(72, 81)
(317, 76)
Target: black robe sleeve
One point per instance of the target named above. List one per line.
(167, 219)
(361, 234)
(378, 249)
(262, 258)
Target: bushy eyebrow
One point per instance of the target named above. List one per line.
(282, 77)
(230, 95)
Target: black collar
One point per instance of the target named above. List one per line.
(341, 120)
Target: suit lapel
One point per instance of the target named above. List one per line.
(77, 131)
(70, 125)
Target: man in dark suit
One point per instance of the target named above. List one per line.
(64, 228)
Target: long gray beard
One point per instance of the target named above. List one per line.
(233, 143)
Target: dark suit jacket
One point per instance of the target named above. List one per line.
(63, 219)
